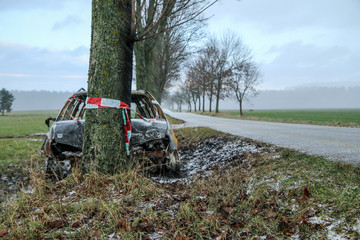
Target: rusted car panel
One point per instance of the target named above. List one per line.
(153, 142)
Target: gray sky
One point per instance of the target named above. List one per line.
(44, 44)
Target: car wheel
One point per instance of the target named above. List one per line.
(57, 170)
(174, 164)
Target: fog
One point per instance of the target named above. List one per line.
(39, 100)
(306, 98)
(299, 98)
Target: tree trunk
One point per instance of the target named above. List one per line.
(203, 102)
(110, 75)
(144, 57)
(217, 102)
(218, 92)
(144, 54)
(210, 102)
(241, 111)
(199, 103)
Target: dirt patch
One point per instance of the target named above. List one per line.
(30, 136)
(201, 158)
(13, 181)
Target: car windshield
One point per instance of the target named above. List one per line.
(74, 108)
(140, 105)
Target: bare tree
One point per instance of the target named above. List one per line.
(201, 78)
(231, 50)
(202, 72)
(193, 84)
(159, 58)
(246, 77)
(179, 99)
(223, 67)
(187, 95)
(213, 67)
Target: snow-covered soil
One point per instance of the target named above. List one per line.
(202, 157)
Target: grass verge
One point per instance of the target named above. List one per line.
(174, 120)
(340, 117)
(276, 194)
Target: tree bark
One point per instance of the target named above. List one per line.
(144, 57)
(241, 111)
(199, 103)
(110, 76)
(203, 102)
(210, 102)
(217, 104)
(218, 91)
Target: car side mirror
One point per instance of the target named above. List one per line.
(47, 121)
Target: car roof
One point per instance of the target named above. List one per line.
(134, 92)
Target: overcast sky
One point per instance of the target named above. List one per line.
(44, 44)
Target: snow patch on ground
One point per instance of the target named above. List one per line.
(330, 224)
(219, 153)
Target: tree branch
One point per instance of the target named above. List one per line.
(178, 23)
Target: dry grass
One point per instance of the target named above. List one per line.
(276, 194)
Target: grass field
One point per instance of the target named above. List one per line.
(334, 117)
(24, 122)
(17, 155)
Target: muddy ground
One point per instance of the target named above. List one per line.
(198, 158)
(243, 190)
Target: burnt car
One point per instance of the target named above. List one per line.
(153, 143)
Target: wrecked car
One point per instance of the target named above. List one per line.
(153, 142)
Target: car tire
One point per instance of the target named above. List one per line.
(57, 170)
(174, 165)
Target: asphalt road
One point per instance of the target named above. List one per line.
(333, 143)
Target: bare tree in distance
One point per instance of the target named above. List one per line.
(195, 93)
(214, 64)
(192, 83)
(178, 97)
(231, 50)
(116, 26)
(222, 68)
(187, 95)
(246, 77)
(201, 78)
(210, 68)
